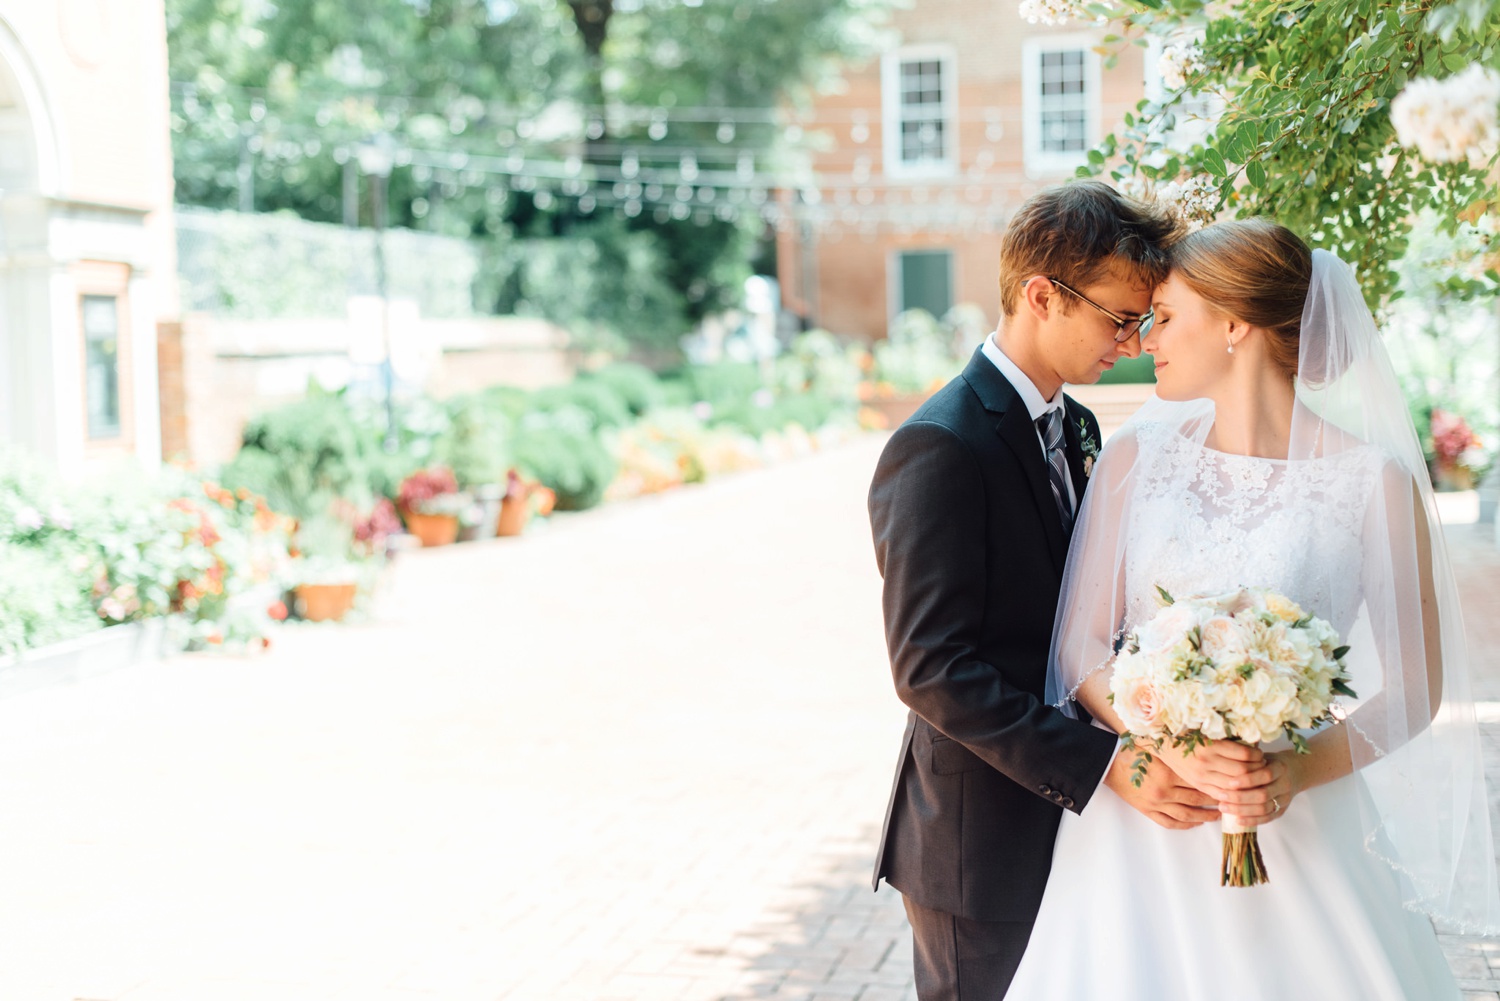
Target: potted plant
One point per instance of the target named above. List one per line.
(430, 502)
(523, 498)
(332, 562)
(474, 446)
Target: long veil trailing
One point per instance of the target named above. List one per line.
(1412, 731)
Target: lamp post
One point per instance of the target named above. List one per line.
(376, 159)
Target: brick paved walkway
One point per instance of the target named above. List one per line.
(640, 755)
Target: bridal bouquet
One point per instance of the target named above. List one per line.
(1247, 666)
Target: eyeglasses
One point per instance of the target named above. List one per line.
(1128, 326)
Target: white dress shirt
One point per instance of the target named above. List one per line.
(1036, 406)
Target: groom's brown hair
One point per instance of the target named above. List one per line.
(1076, 232)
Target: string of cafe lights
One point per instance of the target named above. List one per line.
(698, 179)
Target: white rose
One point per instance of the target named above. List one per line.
(1301, 649)
(1166, 628)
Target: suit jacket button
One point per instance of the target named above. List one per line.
(1067, 802)
(1045, 790)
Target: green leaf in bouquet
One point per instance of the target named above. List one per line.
(1142, 761)
(1340, 652)
(1164, 596)
(1342, 687)
(1190, 741)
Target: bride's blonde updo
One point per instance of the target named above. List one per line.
(1252, 270)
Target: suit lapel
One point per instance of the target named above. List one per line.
(1017, 431)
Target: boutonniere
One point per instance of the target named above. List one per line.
(1090, 446)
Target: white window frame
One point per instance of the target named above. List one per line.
(890, 111)
(1039, 162)
(1186, 133)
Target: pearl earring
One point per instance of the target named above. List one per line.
(1231, 347)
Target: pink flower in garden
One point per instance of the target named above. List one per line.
(1451, 436)
(426, 484)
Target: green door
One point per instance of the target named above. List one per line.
(926, 281)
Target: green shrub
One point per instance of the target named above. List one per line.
(605, 407)
(1141, 369)
(41, 600)
(476, 444)
(307, 449)
(637, 385)
(567, 457)
(509, 401)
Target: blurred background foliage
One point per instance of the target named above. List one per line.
(270, 103)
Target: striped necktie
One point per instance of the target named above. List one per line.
(1050, 426)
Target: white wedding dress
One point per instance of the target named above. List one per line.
(1134, 911)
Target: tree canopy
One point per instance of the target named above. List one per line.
(1299, 98)
(647, 128)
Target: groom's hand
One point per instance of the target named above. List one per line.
(1162, 796)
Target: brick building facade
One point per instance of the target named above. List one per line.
(929, 149)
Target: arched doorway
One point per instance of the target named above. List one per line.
(29, 165)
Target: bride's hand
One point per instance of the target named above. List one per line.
(1223, 769)
(1265, 803)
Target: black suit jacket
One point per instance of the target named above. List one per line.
(971, 547)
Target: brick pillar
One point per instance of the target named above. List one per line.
(173, 392)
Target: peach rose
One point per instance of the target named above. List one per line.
(1138, 703)
(1222, 641)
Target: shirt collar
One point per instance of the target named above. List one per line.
(1036, 406)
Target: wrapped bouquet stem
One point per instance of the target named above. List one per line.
(1248, 665)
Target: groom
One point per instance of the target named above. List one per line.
(971, 507)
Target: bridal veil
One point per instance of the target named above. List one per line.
(1412, 730)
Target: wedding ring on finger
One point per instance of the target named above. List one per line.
(1275, 804)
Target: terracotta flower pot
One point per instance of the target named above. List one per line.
(325, 602)
(514, 513)
(431, 529)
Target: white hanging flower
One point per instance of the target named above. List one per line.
(1180, 59)
(1450, 120)
(1051, 11)
(1195, 199)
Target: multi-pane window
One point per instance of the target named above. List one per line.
(1064, 102)
(101, 339)
(923, 135)
(918, 111)
(1060, 98)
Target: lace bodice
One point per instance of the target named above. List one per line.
(1205, 521)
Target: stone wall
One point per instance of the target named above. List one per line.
(216, 373)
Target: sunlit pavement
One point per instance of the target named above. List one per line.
(641, 754)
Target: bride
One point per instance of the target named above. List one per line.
(1279, 454)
